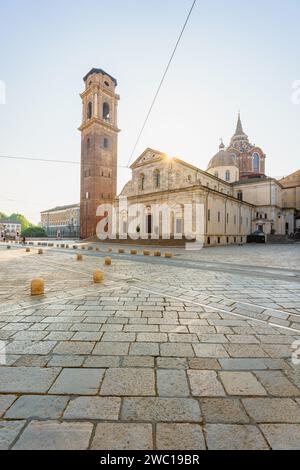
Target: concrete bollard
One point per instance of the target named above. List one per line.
(157, 253)
(79, 257)
(27, 250)
(75, 247)
(109, 250)
(8, 247)
(121, 250)
(168, 255)
(146, 253)
(107, 261)
(98, 276)
(37, 287)
(67, 246)
(97, 249)
(40, 251)
(133, 252)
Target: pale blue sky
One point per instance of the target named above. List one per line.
(235, 54)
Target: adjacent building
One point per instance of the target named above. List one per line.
(10, 228)
(62, 221)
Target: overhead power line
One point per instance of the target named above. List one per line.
(161, 82)
(38, 159)
(49, 160)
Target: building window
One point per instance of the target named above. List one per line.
(216, 174)
(208, 214)
(90, 110)
(234, 219)
(105, 143)
(234, 239)
(105, 112)
(227, 239)
(266, 216)
(255, 162)
(219, 216)
(227, 218)
(227, 175)
(240, 195)
(189, 179)
(142, 182)
(219, 240)
(87, 195)
(156, 175)
(179, 226)
(208, 240)
(88, 143)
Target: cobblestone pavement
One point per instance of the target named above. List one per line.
(158, 356)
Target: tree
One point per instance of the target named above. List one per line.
(20, 218)
(34, 231)
(2, 215)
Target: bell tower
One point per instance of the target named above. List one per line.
(99, 147)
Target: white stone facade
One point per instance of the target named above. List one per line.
(232, 210)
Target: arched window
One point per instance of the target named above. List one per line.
(90, 110)
(105, 143)
(156, 177)
(255, 164)
(227, 175)
(105, 112)
(240, 195)
(142, 181)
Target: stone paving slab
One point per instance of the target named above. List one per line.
(94, 408)
(128, 382)
(282, 436)
(234, 437)
(78, 382)
(176, 436)
(223, 411)
(123, 436)
(37, 406)
(161, 409)
(9, 431)
(54, 435)
(27, 379)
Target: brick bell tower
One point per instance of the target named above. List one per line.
(99, 147)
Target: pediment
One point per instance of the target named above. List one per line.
(148, 156)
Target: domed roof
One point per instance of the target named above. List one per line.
(222, 158)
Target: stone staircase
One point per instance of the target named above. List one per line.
(160, 242)
(279, 240)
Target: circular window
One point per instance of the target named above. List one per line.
(106, 83)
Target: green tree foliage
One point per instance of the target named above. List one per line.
(20, 218)
(2, 215)
(34, 231)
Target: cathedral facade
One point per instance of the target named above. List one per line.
(237, 196)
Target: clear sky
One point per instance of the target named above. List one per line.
(235, 55)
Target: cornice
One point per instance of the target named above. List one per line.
(100, 122)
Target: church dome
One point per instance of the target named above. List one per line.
(222, 158)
